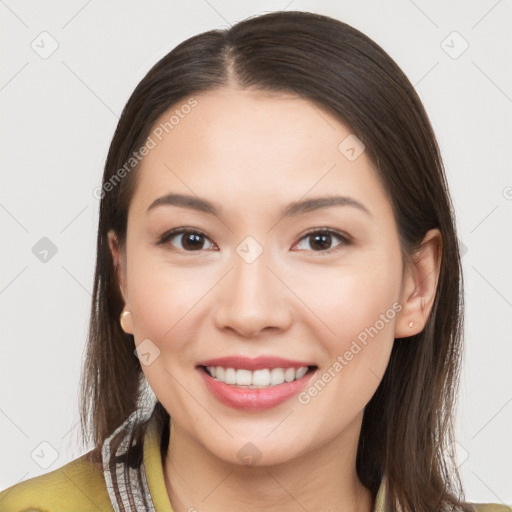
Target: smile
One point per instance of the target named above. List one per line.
(254, 384)
(258, 379)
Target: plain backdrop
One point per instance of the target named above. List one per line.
(67, 70)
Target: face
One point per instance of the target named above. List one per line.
(292, 309)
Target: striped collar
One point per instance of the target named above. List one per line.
(134, 474)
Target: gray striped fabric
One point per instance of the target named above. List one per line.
(125, 477)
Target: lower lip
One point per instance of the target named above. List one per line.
(253, 399)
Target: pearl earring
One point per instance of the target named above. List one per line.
(122, 319)
(411, 324)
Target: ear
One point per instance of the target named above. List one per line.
(118, 260)
(420, 285)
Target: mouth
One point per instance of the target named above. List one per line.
(255, 384)
(258, 379)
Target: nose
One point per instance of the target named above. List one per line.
(251, 300)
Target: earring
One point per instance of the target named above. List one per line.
(122, 320)
(411, 324)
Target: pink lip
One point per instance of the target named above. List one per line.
(247, 399)
(258, 363)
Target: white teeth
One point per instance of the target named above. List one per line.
(276, 376)
(289, 374)
(243, 378)
(220, 373)
(258, 378)
(230, 377)
(261, 378)
(301, 372)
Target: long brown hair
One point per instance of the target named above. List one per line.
(407, 429)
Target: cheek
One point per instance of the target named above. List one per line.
(367, 309)
(360, 307)
(355, 311)
(165, 301)
(345, 302)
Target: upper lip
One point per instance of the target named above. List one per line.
(257, 363)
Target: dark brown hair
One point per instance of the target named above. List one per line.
(407, 428)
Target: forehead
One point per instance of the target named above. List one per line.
(251, 145)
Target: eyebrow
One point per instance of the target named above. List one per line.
(291, 210)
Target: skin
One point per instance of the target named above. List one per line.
(253, 153)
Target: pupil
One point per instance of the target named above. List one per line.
(192, 241)
(324, 239)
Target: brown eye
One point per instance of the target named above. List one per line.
(190, 240)
(322, 240)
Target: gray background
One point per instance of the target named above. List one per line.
(59, 111)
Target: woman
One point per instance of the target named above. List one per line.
(277, 263)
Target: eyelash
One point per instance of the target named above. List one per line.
(345, 239)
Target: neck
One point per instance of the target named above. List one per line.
(323, 479)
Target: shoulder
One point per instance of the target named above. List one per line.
(79, 485)
(490, 507)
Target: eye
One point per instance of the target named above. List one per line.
(321, 240)
(189, 239)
